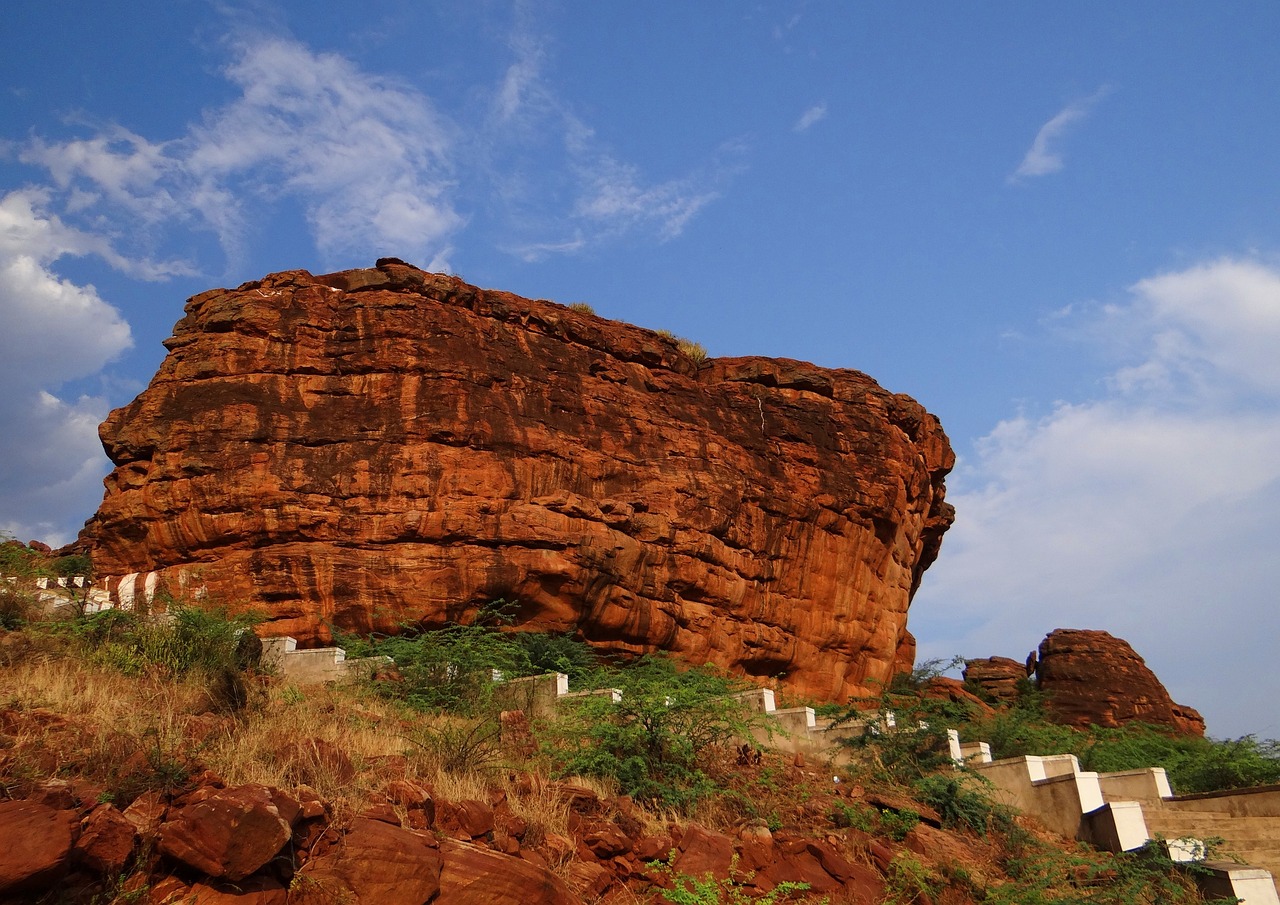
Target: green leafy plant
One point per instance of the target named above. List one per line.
(908, 882)
(450, 669)
(710, 890)
(856, 817)
(915, 744)
(962, 799)
(1194, 764)
(658, 741)
(898, 824)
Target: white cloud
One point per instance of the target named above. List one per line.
(1145, 512)
(1044, 157)
(369, 159)
(54, 331)
(582, 187)
(614, 196)
(373, 164)
(53, 463)
(810, 117)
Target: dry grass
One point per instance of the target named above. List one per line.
(124, 735)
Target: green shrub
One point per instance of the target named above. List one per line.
(708, 890)
(897, 825)
(856, 817)
(558, 653)
(908, 882)
(582, 308)
(962, 799)
(68, 566)
(185, 641)
(451, 669)
(1194, 764)
(917, 744)
(657, 742)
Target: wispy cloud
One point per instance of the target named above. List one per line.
(1044, 156)
(1141, 511)
(583, 187)
(368, 158)
(815, 114)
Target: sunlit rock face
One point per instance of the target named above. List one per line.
(374, 447)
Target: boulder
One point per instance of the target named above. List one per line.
(255, 891)
(36, 845)
(1093, 678)
(999, 677)
(228, 834)
(107, 840)
(466, 819)
(373, 863)
(472, 875)
(702, 851)
(387, 446)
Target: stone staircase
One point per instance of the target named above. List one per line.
(1123, 811)
(1251, 834)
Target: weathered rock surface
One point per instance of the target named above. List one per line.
(374, 446)
(472, 875)
(37, 844)
(373, 863)
(107, 841)
(1091, 677)
(997, 676)
(228, 834)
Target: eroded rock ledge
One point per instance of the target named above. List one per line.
(371, 447)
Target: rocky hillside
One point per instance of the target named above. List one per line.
(129, 776)
(373, 447)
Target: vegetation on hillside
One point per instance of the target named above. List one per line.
(127, 704)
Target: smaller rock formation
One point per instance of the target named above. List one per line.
(1091, 677)
(997, 676)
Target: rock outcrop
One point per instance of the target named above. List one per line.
(997, 676)
(372, 447)
(1090, 677)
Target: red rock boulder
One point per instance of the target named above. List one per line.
(999, 677)
(1093, 678)
(36, 845)
(227, 833)
(375, 447)
(472, 875)
(373, 863)
(107, 840)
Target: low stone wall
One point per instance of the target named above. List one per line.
(317, 665)
(1091, 807)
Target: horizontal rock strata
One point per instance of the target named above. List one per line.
(372, 447)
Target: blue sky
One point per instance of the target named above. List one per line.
(1055, 227)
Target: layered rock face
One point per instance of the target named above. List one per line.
(372, 447)
(997, 676)
(1090, 677)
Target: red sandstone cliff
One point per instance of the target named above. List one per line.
(374, 446)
